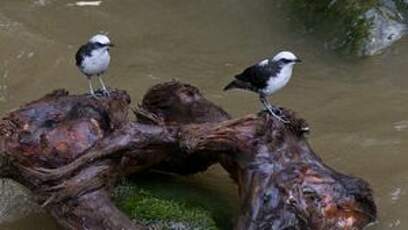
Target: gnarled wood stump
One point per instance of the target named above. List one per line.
(70, 149)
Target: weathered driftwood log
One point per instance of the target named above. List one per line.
(69, 150)
(54, 131)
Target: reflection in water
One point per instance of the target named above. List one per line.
(356, 108)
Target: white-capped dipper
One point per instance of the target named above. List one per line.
(267, 77)
(93, 59)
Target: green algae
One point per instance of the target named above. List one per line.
(153, 208)
(150, 209)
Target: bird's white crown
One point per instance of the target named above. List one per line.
(284, 54)
(100, 38)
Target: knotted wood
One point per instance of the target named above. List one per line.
(70, 149)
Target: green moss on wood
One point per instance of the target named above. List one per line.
(160, 213)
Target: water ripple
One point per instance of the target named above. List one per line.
(86, 3)
(401, 125)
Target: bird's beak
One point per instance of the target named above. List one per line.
(111, 45)
(298, 61)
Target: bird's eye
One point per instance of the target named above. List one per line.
(284, 60)
(98, 44)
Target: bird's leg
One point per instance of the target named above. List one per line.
(105, 90)
(271, 108)
(91, 90)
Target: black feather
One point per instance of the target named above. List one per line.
(86, 50)
(238, 84)
(258, 75)
(255, 78)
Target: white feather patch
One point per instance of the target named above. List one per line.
(97, 62)
(263, 62)
(276, 83)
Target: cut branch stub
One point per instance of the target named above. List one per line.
(176, 104)
(180, 104)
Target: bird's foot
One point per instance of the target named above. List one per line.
(281, 119)
(105, 92)
(93, 95)
(275, 114)
(99, 93)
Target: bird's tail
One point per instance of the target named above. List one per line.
(238, 84)
(232, 85)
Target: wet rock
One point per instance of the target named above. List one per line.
(16, 202)
(364, 28)
(388, 25)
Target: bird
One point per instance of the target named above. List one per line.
(93, 59)
(266, 77)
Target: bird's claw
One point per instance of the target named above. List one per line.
(93, 95)
(270, 110)
(97, 95)
(106, 93)
(280, 118)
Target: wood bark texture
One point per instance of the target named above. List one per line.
(70, 149)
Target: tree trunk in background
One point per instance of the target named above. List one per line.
(70, 149)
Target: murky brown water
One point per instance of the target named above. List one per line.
(356, 108)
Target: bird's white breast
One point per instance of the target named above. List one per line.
(97, 62)
(279, 81)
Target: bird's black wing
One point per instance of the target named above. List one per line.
(258, 75)
(84, 50)
(79, 55)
